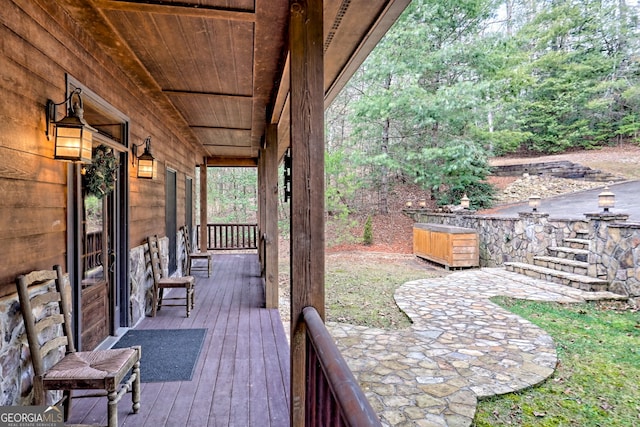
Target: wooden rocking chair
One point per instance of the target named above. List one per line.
(161, 283)
(83, 370)
(195, 256)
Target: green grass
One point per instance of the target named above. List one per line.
(360, 292)
(597, 381)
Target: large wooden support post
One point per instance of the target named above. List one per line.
(307, 185)
(203, 206)
(261, 208)
(270, 218)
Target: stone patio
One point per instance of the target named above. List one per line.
(461, 347)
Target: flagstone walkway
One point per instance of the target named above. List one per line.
(461, 347)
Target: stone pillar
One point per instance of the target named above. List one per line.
(534, 232)
(599, 255)
(623, 246)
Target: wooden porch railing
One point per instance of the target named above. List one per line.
(334, 397)
(230, 236)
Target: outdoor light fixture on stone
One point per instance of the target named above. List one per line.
(606, 200)
(465, 202)
(73, 136)
(534, 202)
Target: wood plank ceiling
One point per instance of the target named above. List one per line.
(219, 66)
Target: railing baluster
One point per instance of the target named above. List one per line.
(232, 236)
(334, 397)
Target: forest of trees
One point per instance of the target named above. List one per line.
(231, 195)
(455, 82)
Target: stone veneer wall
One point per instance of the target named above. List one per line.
(614, 248)
(15, 365)
(615, 254)
(141, 278)
(16, 371)
(508, 239)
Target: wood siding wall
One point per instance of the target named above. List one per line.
(39, 45)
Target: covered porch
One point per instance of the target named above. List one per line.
(200, 84)
(241, 377)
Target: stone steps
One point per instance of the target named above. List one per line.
(562, 264)
(568, 253)
(566, 265)
(573, 280)
(577, 243)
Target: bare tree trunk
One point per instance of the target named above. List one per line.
(384, 178)
(490, 123)
(383, 205)
(509, 19)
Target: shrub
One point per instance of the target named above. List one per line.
(367, 237)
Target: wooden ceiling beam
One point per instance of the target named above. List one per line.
(216, 127)
(232, 162)
(182, 9)
(283, 93)
(205, 94)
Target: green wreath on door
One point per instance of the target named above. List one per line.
(100, 176)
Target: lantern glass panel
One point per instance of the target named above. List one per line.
(145, 168)
(73, 144)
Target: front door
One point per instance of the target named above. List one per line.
(96, 267)
(98, 229)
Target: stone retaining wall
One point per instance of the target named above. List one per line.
(560, 169)
(614, 248)
(615, 254)
(508, 239)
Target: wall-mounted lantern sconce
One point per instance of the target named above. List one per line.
(534, 203)
(73, 135)
(146, 162)
(409, 204)
(465, 202)
(606, 199)
(422, 204)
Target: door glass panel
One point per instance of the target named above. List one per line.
(93, 240)
(95, 272)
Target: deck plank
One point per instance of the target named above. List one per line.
(240, 388)
(241, 377)
(276, 383)
(257, 373)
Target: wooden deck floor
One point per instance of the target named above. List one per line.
(242, 376)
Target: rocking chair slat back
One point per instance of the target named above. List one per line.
(44, 301)
(47, 327)
(191, 255)
(160, 283)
